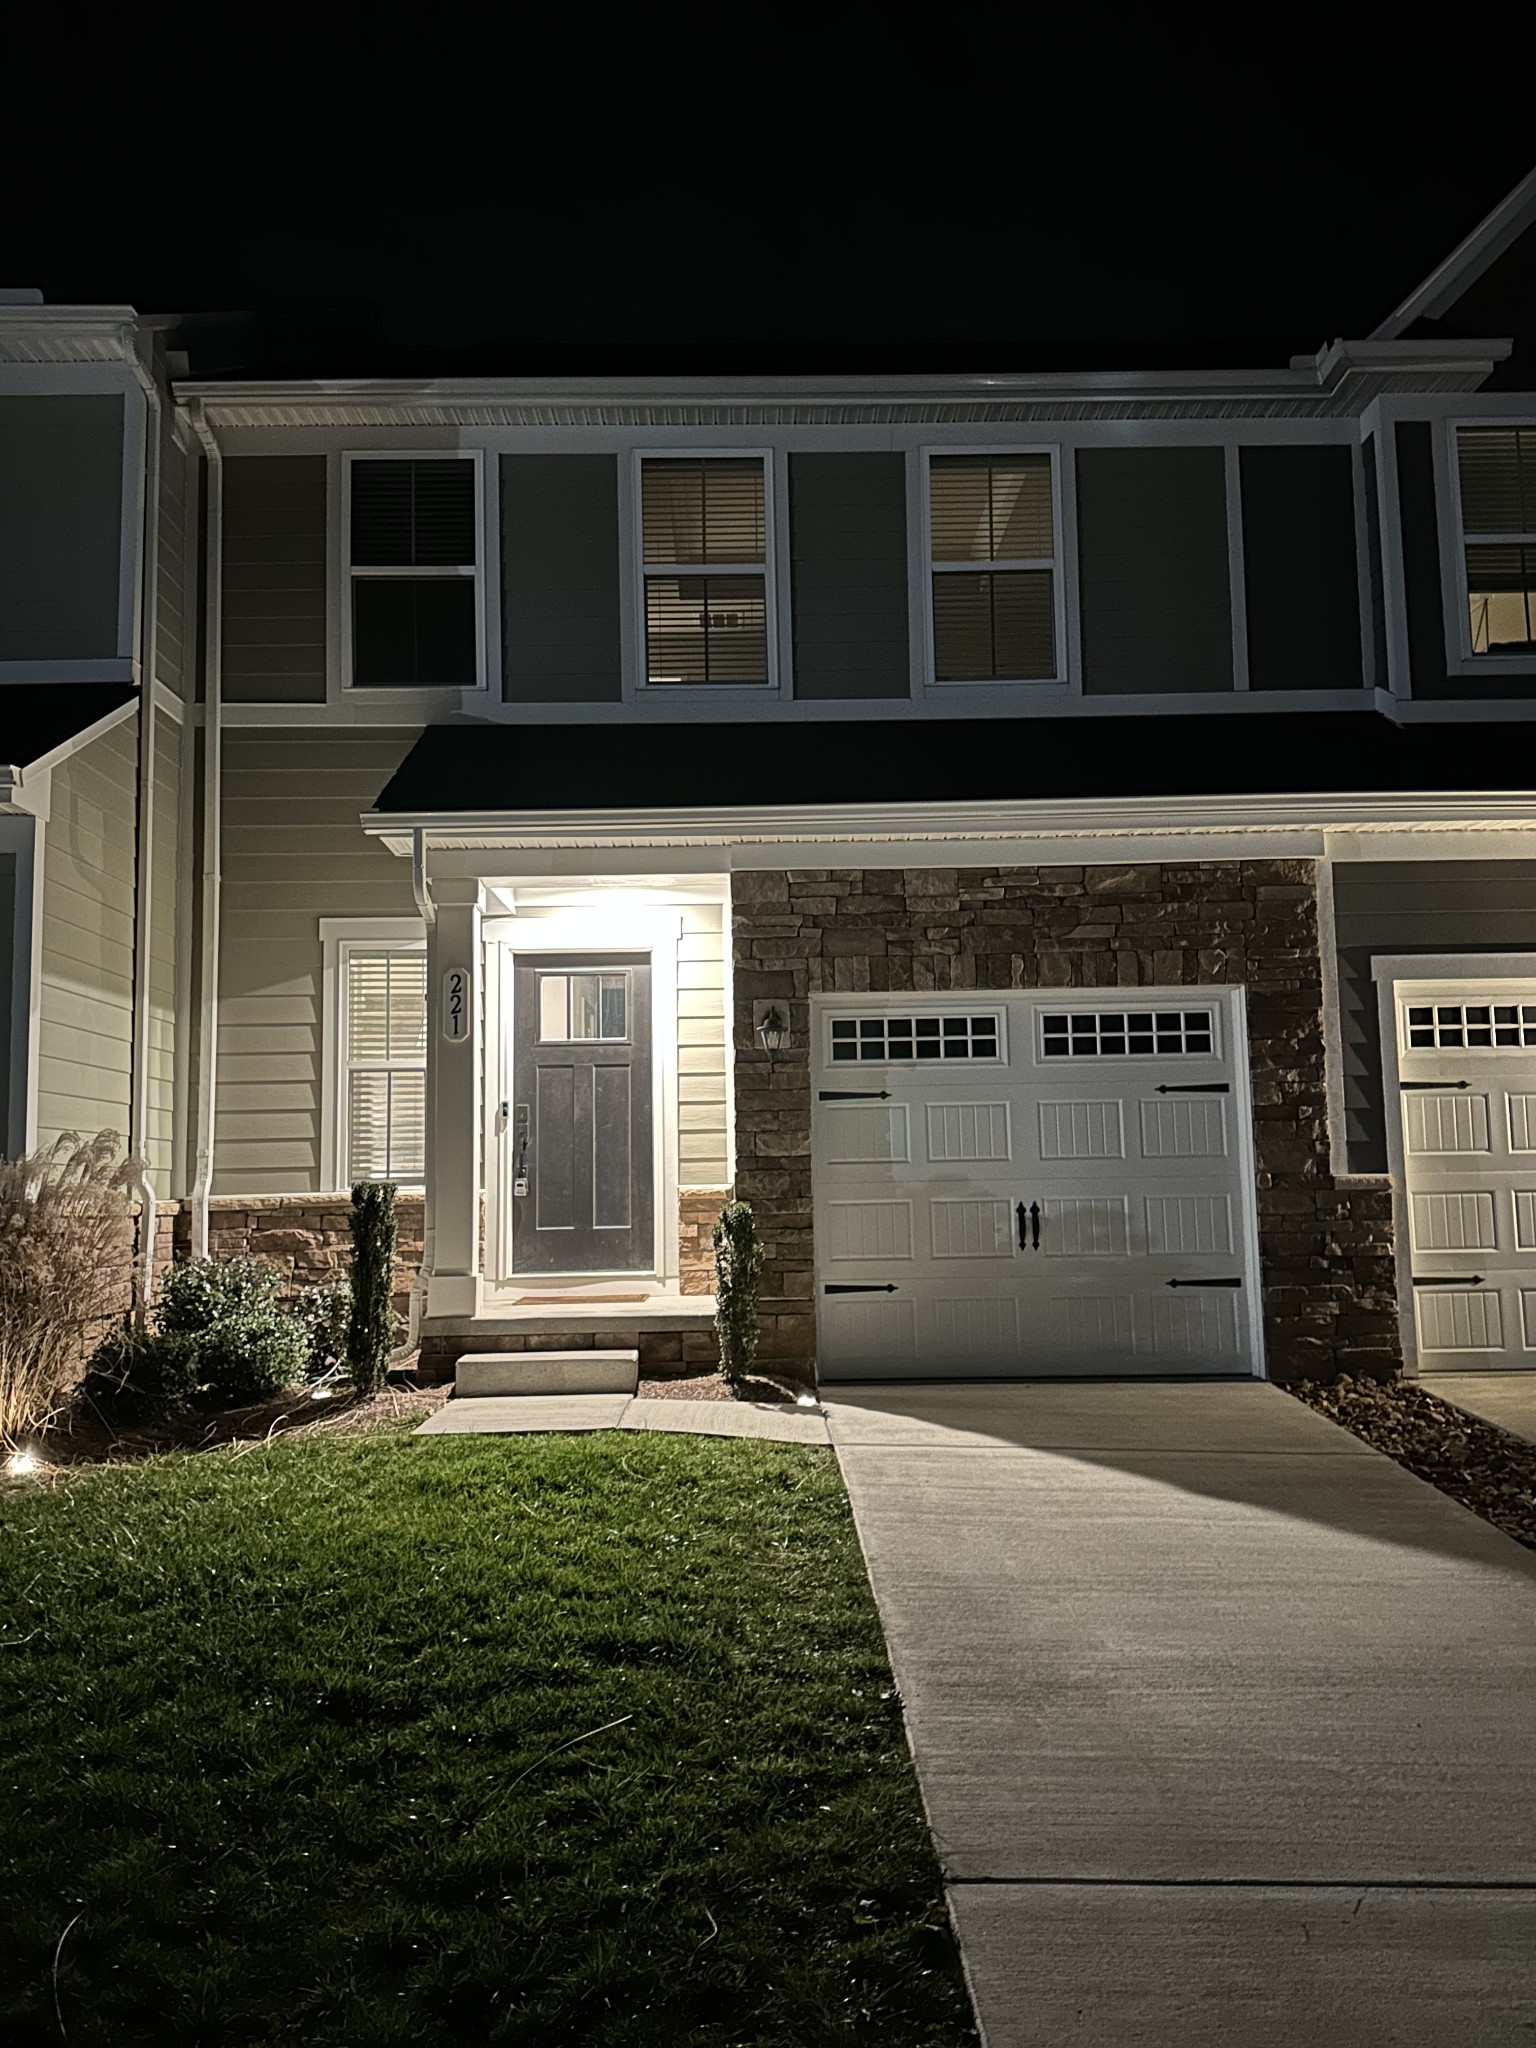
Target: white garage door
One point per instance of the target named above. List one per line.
(1032, 1185)
(1467, 1062)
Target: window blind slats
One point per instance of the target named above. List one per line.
(386, 1126)
(706, 629)
(413, 514)
(1501, 598)
(987, 508)
(991, 626)
(386, 1025)
(1498, 479)
(697, 513)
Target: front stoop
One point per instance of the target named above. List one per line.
(479, 1373)
(673, 1334)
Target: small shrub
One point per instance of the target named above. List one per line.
(738, 1265)
(324, 1314)
(206, 1292)
(142, 1376)
(371, 1327)
(65, 1245)
(251, 1356)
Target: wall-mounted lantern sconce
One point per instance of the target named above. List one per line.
(770, 1020)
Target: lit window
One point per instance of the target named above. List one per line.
(384, 1063)
(590, 1005)
(1497, 473)
(413, 553)
(993, 529)
(704, 530)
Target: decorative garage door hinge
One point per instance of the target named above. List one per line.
(1194, 1088)
(1206, 1283)
(853, 1094)
(855, 1287)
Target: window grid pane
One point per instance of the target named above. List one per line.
(914, 1038)
(1498, 479)
(986, 508)
(706, 629)
(994, 626)
(1478, 1027)
(695, 514)
(1501, 598)
(1126, 1034)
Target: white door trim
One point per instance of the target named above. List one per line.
(653, 932)
(1392, 972)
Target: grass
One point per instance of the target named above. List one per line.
(567, 1740)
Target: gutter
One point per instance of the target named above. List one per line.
(207, 1035)
(147, 650)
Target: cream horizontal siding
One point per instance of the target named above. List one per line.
(85, 1032)
(293, 853)
(165, 932)
(701, 1084)
(171, 621)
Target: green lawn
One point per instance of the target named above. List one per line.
(279, 1753)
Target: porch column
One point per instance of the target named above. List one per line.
(455, 1062)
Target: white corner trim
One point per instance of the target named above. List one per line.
(1333, 1044)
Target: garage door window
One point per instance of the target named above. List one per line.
(1099, 1034)
(914, 1038)
(1471, 1024)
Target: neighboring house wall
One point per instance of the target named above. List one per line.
(61, 489)
(1466, 906)
(293, 853)
(86, 1024)
(1330, 1301)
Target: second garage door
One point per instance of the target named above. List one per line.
(1033, 1185)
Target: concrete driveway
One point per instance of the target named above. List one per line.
(1226, 1725)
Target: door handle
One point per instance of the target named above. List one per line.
(1031, 1215)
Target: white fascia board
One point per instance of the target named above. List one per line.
(67, 334)
(1474, 254)
(953, 824)
(1377, 356)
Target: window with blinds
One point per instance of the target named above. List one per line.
(992, 527)
(384, 1063)
(704, 549)
(1496, 470)
(414, 572)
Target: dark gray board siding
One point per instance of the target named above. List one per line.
(560, 612)
(1484, 906)
(61, 490)
(1300, 571)
(274, 579)
(848, 565)
(1153, 571)
(1423, 601)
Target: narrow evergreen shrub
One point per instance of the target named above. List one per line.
(738, 1264)
(371, 1328)
(143, 1376)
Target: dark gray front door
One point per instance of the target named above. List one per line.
(580, 1116)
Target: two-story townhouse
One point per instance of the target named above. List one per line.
(1055, 845)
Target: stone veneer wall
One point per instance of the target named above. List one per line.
(698, 1212)
(1330, 1302)
(307, 1237)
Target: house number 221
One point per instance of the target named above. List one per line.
(456, 1004)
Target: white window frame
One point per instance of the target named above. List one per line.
(1460, 660)
(1063, 522)
(768, 568)
(339, 938)
(433, 694)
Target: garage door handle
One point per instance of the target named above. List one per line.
(1032, 1213)
(856, 1287)
(1205, 1283)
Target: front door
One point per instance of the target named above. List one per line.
(1467, 1081)
(579, 1122)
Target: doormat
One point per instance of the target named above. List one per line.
(573, 1300)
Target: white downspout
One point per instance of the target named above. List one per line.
(147, 646)
(207, 1036)
(422, 891)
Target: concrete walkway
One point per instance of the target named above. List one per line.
(1507, 1398)
(1226, 1726)
(536, 1414)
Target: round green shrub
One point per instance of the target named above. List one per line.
(206, 1292)
(324, 1314)
(252, 1356)
(143, 1377)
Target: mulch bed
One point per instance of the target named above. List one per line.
(1484, 1467)
(709, 1386)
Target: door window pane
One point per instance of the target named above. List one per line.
(587, 1005)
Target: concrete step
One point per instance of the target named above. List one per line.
(478, 1373)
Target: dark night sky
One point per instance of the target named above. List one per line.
(1233, 220)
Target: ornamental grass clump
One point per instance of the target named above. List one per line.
(66, 1246)
(371, 1329)
(738, 1265)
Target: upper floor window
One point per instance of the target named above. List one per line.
(413, 572)
(705, 564)
(994, 567)
(1496, 469)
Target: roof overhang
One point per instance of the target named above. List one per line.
(1474, 254)
(68, 334)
